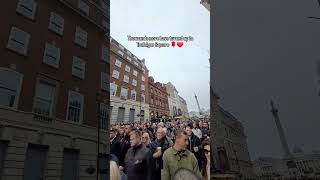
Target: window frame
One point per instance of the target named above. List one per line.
(70, 92)
(26, 43)
(126, 97)
(78, 39)
(135, 93)
(54, 22)
(53, 104)
(126, 77)
(118, 63)
(49, 45)
(19, 11)
(83, 67)
(117, 73)
(20, 77)
(127, 69)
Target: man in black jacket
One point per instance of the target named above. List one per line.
(157, 148)
(194, 144)
(138, 160)
(115, 145)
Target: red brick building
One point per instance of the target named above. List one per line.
(129, 96)
(54, 59)
(158, 100)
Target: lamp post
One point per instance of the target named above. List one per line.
(98, 99)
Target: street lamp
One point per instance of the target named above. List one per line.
(98, 99)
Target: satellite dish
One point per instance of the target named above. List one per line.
(185, 174)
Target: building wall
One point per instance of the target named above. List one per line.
(19, 125)
(32, 66)
(174, 100)
(235, 144)
(158, 99)
(142, 72)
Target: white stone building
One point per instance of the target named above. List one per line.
(177, 105)
(307, 167)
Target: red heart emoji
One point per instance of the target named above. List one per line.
(173, 43)
(179, 44)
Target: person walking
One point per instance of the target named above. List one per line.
(194, 144)
(115, 145)
(157, 148)
(138, 160)
(178, 157)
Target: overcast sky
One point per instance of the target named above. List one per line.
(267, 49)
(188, 67)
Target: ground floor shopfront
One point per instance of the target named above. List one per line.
(31, 148)
(128, 111)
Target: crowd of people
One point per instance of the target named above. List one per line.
(156, 151)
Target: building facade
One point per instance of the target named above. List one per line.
(306, 166)
(51, 53)
(129, 93)
(177, 105)
(183, 108)
(159, 106)
(232, 156)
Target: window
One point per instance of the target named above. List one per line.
(113, 89)
(105, 53)
(75, 107)
(51, 55)
(142, 98)
(135, 63)
(44, 99)
(135, 73)
(142, 78)
(83, 7)
(142, 87)
(124, 93)
(78, 67)
(18, 41)
(121, 47)
(118, 63)
(121, 111)
(133, 95)
(142, 115)
(56, 23)
(104, 116)
(35, 161)
(127, 68)
(126, 78)
(151, 101)
(131, 115)
(27, 8)
(129, 53)
(81, 37)
(10, 85)
(120, 52)
(143, 70)
(129, 58)
(104, 81)
(70, 165)
(115, 74)
(134, 82)
(135, 58)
